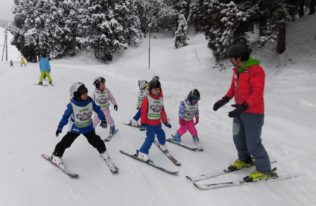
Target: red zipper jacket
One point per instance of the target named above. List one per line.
(248, 86)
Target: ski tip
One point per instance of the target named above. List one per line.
(196, 185)
(115, 171)
(188, 177)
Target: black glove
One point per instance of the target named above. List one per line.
(103, 124)
(115, 107)
(240, 108)
(167, 124)
(220, 103)
(58, 131)
(142, 127)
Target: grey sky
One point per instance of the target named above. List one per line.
(6, 9)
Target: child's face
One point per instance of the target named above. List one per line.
(194, 101)
(102, 86)
(84, 96)
(155, 91)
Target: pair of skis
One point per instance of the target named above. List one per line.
(71, 174)
(184, 146)
(226, 184)
(151, 163)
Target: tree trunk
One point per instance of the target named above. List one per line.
(263, 21)
(281, 41)
(312, 7)
(301, 9)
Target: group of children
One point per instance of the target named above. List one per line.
(150, 111)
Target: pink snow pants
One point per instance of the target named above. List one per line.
(108, 118)
(185, 126)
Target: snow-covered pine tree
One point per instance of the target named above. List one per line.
(107, 33)
(39, 27)
(84, 30)
(181, 35)
(151, 11)
(227, 27)
(199, 16)
(277, 15)
(125, 13)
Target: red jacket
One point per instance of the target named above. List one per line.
(144, 113)
(248, 87)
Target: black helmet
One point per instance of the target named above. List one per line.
(194, 94)
(153, 84)
(98, 80)
(77, 89)
(239, 50)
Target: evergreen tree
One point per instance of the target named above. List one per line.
(227, 27)
(181, 35)
(40, 27)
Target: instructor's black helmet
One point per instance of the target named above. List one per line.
(194, 95)
(239, 51)
(153, 84)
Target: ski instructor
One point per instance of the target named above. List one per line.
(247, 86)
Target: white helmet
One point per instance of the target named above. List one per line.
(77, 89)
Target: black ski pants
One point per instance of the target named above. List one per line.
(70, 137)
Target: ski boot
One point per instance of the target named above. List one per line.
(238, 164)
(134, 123)
(112, 130)
(105, 156)
(176, 138)
(142, 156)
(196, 141)
(58, 161)
(258, 176)
(164, 148)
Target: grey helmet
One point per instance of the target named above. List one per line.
(142, 84)
(77, 89)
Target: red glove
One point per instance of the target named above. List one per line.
(181, 121)
(196, 120)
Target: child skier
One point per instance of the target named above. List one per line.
(102, 96)
(187, 111)
(45, 69)
(80, 111)
(152, 114)
(142, 84)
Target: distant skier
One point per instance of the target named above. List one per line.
(247, 87)
(79, 110)
(103, 96)
(45, 69)
(189, 110)
(152, 114)
(22, 61)
(143, 90)
(11, 63)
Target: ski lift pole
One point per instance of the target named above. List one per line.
(149, 25)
